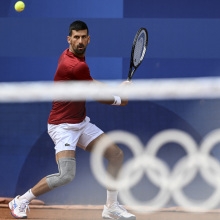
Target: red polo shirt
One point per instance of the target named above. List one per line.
(69, 67)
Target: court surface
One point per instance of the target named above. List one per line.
(94, 213)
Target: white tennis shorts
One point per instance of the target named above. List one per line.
(67, 136)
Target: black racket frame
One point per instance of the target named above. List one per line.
(131, 72)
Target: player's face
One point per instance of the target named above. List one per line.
(78, 42)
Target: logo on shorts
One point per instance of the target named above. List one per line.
(67, 144)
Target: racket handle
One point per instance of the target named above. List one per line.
(130, 75)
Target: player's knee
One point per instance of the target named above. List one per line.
(67, 171)
(120, 154)
(116, 154)
(67, 177)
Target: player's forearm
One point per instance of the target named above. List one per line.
(111, 100)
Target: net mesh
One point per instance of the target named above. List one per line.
(169, 133)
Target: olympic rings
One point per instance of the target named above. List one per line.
(145, 161)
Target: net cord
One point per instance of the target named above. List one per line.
(153, 89)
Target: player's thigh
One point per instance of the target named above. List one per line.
(113, 151)
(65, 153)
(90, 133)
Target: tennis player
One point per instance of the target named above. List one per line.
(68, 126)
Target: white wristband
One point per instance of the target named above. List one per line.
(117, 100)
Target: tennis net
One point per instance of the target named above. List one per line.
(169, 133)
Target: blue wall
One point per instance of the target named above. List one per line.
(183, 42)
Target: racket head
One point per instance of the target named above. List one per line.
(138, 50)
(139, 46)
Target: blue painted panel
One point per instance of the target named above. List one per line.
(171, 9)
(173, 68)
(27, 68)
(70, 9)
(105, 68)
(21, 125)
(168, 38)
(5, 5)
(176, 38)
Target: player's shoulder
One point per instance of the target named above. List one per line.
(67, 58)
(68, 54)
(81, 66)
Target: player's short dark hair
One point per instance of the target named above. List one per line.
(77, 26)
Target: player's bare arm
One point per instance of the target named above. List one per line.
(112, 101)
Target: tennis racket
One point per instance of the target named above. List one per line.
(138, 51)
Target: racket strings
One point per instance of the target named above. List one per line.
(139, 49)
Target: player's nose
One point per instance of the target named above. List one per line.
(80, 40)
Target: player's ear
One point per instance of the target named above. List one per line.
(88, 39)
(68, 39)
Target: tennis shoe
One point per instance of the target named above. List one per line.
(116, 211)
(19, 208)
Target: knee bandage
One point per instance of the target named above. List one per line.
(67, 171)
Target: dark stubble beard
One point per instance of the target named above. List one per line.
(80, 51)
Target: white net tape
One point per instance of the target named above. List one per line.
(187, 88)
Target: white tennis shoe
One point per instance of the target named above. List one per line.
(19, 208)
(116, 211)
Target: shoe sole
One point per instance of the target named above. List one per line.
(15, 216)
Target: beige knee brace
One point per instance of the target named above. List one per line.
(67, 171)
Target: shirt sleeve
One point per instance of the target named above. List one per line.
(81, 71)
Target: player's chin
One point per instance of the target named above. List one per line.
(80, 51)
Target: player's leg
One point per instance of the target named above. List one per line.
(65, 157)
(48, 183)
(67, 169)
(114, 155)
(65, 140)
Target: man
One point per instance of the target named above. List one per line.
(68, 126)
